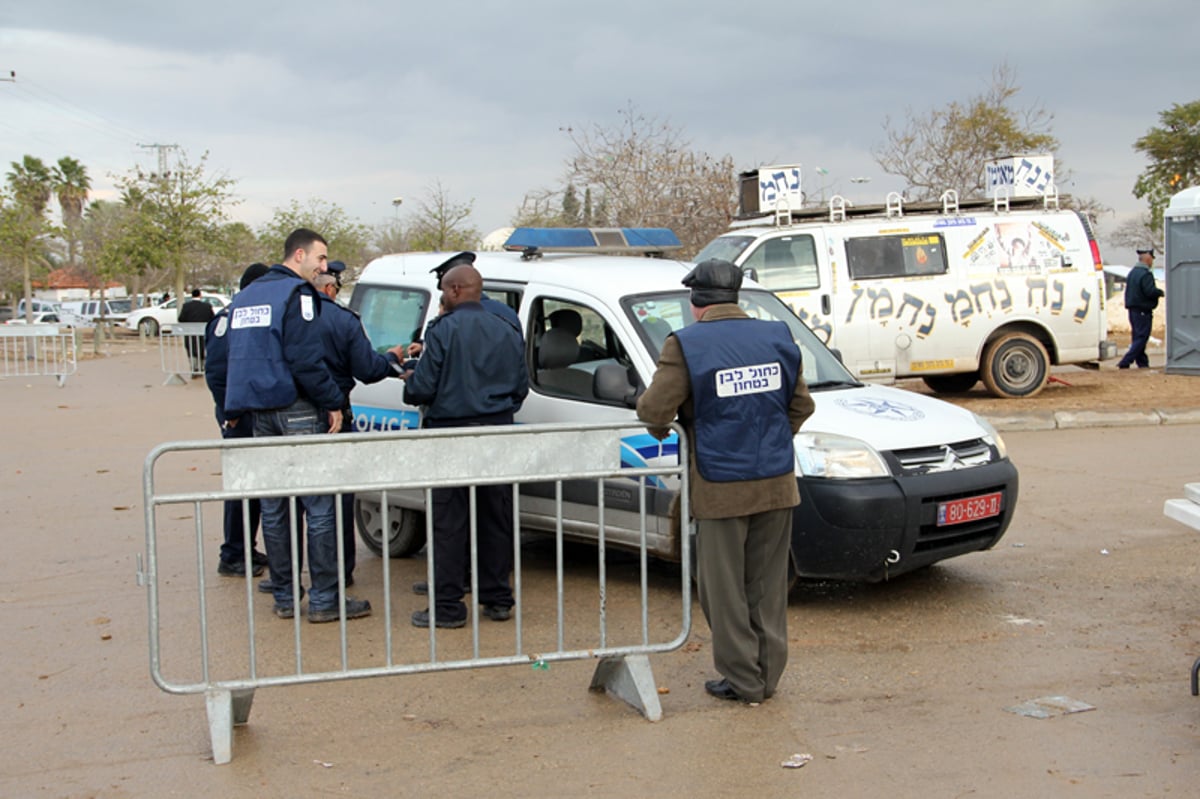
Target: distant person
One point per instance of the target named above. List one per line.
(472, 373)
(349, 355)
(195, 311)
(166, 296)
(742, 470)
(232, 562)
(1141, 298)
(275, 369)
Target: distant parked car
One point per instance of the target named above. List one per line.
(165, 315)
(40, 318)
(85, 313)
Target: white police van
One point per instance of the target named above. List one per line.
(952, 292)
(890, 480)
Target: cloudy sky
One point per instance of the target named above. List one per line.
(361, 102)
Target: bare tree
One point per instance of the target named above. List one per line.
(440, 223)
(644, 173)
(946, 148)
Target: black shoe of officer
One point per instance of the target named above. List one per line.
(238, 568)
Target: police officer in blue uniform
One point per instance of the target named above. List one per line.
(349, 356)
(471, 373)
(275, 368)
(232, 562)
(736, 385)
(1141, 298)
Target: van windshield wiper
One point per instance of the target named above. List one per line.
(828, 384)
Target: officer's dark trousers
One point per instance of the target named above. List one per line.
(1139, 324)
(348, 541)
(741, 569)
(233, 549)
(452, 547)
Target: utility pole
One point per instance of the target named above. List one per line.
(162, 155)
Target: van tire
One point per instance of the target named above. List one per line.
(408, 528)
(148, 327)
(952, 384)
(1015, 365)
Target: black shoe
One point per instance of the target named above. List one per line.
(258, 558)
(355, 609)
(420, 618)
(422, 588)
(349, 580)
(238, 569)
(721, 689)
(497, 612)
(266, 586)
(285, 611)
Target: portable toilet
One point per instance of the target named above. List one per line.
(1182, 262)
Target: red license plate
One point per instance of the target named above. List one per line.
(969, 509)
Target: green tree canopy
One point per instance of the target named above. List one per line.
(183, 209)
(348, 239)
(1174, 152)
(71, 185)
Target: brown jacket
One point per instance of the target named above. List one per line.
(670, 395)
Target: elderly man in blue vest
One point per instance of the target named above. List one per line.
(742, 471)
(276, 370)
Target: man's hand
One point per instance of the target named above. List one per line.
(335, 421)
(414, 349)
(661, 433)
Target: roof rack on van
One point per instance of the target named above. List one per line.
(839, 209)
(652, 242)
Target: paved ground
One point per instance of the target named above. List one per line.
(897, 689)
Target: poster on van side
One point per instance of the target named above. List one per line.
(1022, 247)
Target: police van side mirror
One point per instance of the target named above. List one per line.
(611, 382)
(837, 354)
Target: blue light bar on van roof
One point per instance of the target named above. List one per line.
(593, 240)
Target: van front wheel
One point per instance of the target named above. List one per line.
(1015, 365)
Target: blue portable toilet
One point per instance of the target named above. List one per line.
(1181, 223)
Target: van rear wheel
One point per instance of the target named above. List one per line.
(1015, 365)
(952, 384)
(148, 327)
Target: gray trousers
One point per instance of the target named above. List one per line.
(741, 566)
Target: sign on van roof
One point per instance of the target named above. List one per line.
(1020, 175)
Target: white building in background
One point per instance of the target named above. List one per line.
(494, 241)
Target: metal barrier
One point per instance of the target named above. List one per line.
(181, 352)
(420, 460)
(30, 350)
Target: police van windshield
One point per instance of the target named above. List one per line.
(727, 248)
(656, 316)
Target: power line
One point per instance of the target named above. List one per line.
(32, 92)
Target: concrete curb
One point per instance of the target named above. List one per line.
(1075, 420)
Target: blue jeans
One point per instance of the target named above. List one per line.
(300, 418)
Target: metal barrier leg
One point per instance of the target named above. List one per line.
(629, 678)
(174, 379)
(1196, 678)
(225, 709)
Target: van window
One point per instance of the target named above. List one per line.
(786, 263)
(901, 255)
(390, 316)
(570, 341)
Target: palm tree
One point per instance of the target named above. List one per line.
(31, 181)
(71, 184)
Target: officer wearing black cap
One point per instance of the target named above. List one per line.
(349, 355)
(336, 269)
(233, 551)
(494, 306)
(472, 373)
(1141, 298)
(736, 385)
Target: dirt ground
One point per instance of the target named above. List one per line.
(897, 689)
